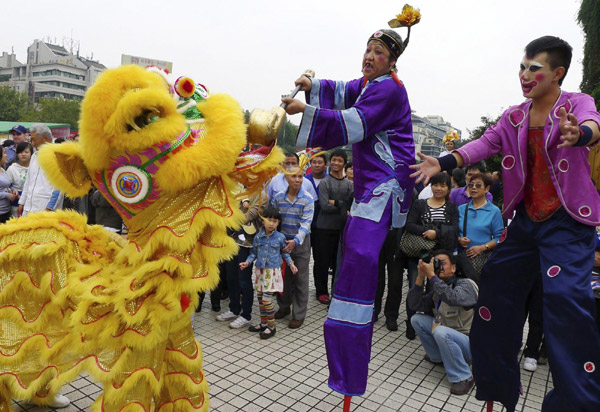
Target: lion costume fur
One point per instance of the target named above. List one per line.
(75, 297)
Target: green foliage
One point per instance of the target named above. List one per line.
(589, 19)
(12, 104)
(493, 164)
(57, 110)
(286, 138)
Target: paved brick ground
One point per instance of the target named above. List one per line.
(289, 372)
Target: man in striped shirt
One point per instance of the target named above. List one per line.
(297, 209)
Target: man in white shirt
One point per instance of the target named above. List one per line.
(38, 194)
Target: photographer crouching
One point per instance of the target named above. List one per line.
(444, 316)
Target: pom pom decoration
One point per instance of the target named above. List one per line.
(409, 17)
(185, 87)
(451, 137)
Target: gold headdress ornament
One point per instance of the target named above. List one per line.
(450, 137)
(409, 17)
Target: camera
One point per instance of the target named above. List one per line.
(426, 257)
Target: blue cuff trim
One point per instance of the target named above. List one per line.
(305, 126)
(314, 94)
(350, 312)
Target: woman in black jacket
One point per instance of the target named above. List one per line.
(434, 219)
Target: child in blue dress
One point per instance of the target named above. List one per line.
(267, 252)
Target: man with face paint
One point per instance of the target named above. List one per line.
(547, 187)
(373, 114)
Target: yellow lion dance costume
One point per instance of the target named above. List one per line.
(76, 298)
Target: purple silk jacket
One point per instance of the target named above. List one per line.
(569, 167)
(376, 120)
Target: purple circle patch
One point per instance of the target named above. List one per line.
(485, 313)
(589, 367)
(508, 162)
(585, 211)
(553, 271)
(563, 165)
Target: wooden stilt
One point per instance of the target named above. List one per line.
(347, 400)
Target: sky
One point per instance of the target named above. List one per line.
(462, 61)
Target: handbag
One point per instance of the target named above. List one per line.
(414, 245)
(471, 267)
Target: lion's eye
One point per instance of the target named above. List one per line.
(142, 120)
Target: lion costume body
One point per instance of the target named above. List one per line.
(77, 298)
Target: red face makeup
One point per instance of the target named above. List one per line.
(535, 75)
(376, 60)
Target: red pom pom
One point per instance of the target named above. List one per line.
(188, 86)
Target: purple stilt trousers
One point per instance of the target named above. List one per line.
(349, 325)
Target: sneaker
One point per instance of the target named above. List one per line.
(530, 364)
(59, 402)
(225, 316)
(239, 322)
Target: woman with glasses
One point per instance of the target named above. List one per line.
(435, 219)
(484, 224)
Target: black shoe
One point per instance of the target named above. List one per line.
(216, 308)
(201, 296)
(462, 388)
(280, 314)
(266, 335)
(410, 331)
(391, 324)
(375, 318)
(257, 328)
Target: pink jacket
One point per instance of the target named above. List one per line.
(569, 167)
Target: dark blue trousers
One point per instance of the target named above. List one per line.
(562, 249)
(239, 284)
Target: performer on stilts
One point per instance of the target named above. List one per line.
(373, 114)
(547, 188)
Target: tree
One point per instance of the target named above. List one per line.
(286, 139)
(12, 104)
(589, 19)
(59, 110)
(494, 163)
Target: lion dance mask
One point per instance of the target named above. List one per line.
(77, 298)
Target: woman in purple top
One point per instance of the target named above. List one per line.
(373, 114)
